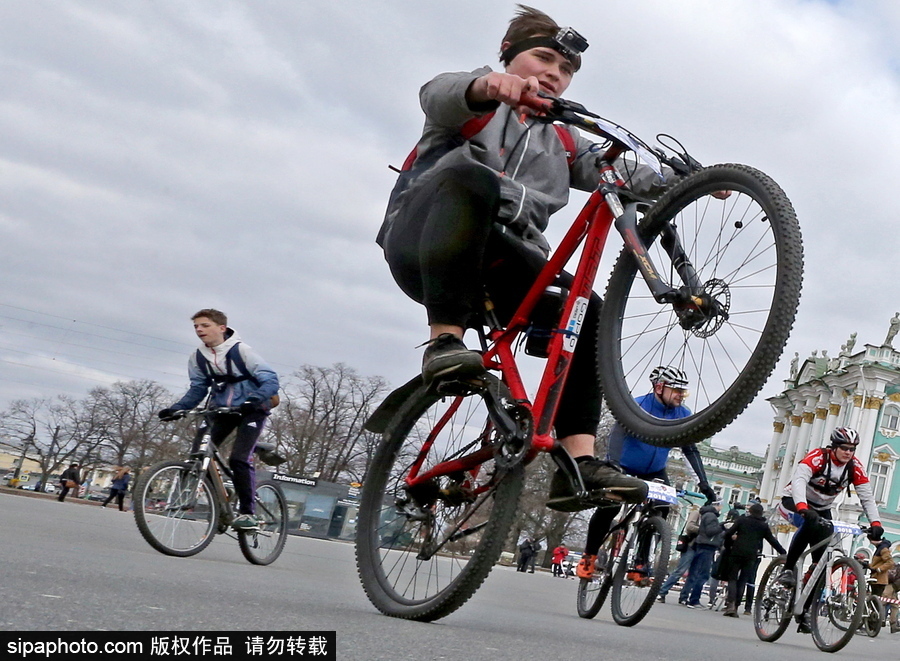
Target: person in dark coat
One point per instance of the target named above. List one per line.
(526, 554)
(744, 544)
(70, 479)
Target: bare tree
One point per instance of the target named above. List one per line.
(131, 431)
(57, 431)
(319, 426)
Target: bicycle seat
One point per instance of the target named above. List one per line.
(268, 454)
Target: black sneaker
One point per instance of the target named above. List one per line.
(447, 357)
(596, 475)
(787, 578)
(803, 626)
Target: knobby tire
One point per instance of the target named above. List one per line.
(169, 519)
(747, 252)
(388, 540)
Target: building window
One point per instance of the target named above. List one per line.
(891, 418)
(880, 477)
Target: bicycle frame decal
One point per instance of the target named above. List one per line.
(843, 528)
(573, 326)
(662, 492)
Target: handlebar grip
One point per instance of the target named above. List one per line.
(543, 102)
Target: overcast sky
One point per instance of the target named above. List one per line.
(161, 157)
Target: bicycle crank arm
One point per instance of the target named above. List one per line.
(460, 534)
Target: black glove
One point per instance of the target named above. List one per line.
(168, 415)
(709, 492)
(251, 405)
(810, 515)
(876, 532)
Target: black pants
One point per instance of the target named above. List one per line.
(65, 490)
(249, 427)
(524, 561)
(741, 570)
(807, 535)
(445, 251)
(119, 495)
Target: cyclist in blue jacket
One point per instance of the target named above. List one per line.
(236, 376)
(642, 460)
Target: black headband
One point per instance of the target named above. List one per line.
(510, 53)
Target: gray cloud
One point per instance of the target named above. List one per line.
(160, 157)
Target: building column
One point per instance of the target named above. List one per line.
(816, 435)
(769, 478)
(868, 419)
(787, 466)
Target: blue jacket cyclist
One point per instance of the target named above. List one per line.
(232, 374)
(643, 460)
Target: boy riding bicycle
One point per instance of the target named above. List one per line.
(237, 377)
(644, 461)
(478, 199)
(817, 480)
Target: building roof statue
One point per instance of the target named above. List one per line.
(892, 331)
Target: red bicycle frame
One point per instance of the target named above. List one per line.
(592, 227)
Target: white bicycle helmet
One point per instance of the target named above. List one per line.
(669, 376)
(844, 436)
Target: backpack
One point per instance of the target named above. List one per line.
(894, 574)
(232, 357)
(831, 488)
(413, 166)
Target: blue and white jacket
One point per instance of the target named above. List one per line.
(230, 394)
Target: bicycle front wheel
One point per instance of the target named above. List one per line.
(773, 603)
(592, 592)
(175, 508)
(737, 264)
(263, 545)
(640, 572)
(837, 606)
(423, 551)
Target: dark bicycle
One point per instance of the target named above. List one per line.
(182, 504)
(634, 559)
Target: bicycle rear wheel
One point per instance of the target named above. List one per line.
(592, 592)
(772, 605)
(640, 572)
(175, 508)
(838, 601)
(747, 253)
(263, 545)
(873, 616)
(423, 552)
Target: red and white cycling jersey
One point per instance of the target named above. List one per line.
(818, 479)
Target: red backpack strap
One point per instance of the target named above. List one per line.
(467, 131)
(472, 127)
(568, 142)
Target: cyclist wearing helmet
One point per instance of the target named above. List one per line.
(817, 480)
(642, 460)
